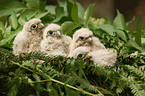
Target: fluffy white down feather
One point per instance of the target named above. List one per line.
(55, 43)
(103, 57)
(34, 44)
(26, 41)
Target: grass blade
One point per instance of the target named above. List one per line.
(138, 32)
(88, 14)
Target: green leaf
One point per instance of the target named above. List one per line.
(8, 29)
(80, 11)
(74, 12)
(22, 20)
(2, 27)
(7, 33)
(64, 5)
(107, 21)
(68, 27)
(29, 13)
(33, 3)
(121, 34)
(13, 20)
(88, 14)
(138, 32)
(8, 6)
(107, 28)
(59, 11)
(69, 7)
(135, 45)
(42, 5)
(41, 14)
(9, 38)
(119, 24)
(128, 23)
(50, 9)
(126, 34)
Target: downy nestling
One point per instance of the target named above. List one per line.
(29, 38)
(55, 43)
(84, 43)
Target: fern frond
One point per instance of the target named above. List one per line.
(137, 90)
(137, 71)
(54, 80)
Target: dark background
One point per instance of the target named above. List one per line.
(129, 8)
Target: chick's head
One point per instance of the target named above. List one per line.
(34, 26)
(52, 30)
(83, 37)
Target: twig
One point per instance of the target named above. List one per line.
(41, 81)
(21, 66)
(51, 79)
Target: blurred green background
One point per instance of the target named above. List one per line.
(107, 8)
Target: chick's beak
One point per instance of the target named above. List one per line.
(89, 40)
(58, 33)
(40, 26)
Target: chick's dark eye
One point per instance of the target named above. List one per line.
(80, 55)
(34, 26)
(82, 38)
(51, 32)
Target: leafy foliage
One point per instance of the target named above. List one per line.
(36, 74)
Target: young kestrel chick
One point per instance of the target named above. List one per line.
(84, 43)
(29, 38)
(54, 42)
